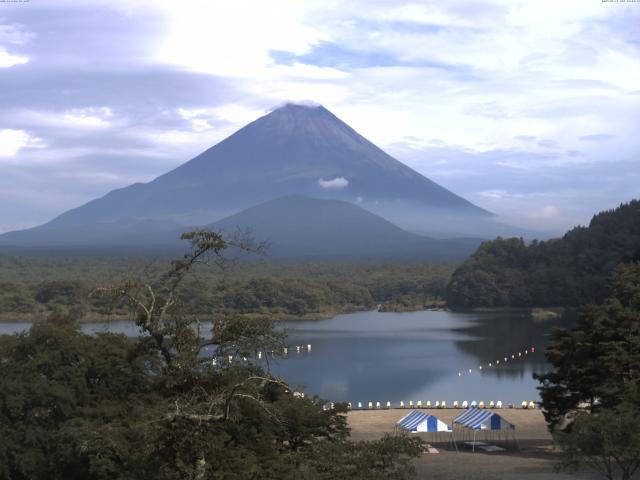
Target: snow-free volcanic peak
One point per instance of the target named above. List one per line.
(295, 149)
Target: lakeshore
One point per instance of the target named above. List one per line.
(535, 460)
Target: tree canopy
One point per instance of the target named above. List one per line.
(569, 271)
(169, 404)
(591, 398)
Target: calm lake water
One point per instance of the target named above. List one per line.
(374, 356)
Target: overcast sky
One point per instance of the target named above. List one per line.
(530, 109)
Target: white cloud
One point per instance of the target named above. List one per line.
(338, 182)
(234, 38)
(545, 213)
(11, 141)
(73, 118)
(9, 60)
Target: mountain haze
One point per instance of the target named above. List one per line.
(302, 227)
(294, 149)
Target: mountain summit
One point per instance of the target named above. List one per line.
(295, 149)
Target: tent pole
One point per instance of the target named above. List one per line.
(473, 448)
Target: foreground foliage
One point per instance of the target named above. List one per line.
(591, 399)
(569, 271)
(169, 404)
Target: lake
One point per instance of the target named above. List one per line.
(426, 355)
(375, 356)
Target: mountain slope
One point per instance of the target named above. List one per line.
(568, 271)
(302, 227)
(292, 150)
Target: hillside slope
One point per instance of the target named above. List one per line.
(568, 271)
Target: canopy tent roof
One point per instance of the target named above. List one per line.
(422, 422)
(477, 419)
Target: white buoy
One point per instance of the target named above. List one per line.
(470, 370)
(492, 404)
(297, 348)
(443, 404)
(526, 352)
(519, 354)
(481, 404)
(524, 404)
(490, 365)
(411, 403)
(428, 403)
(213, 361)
(532, 404)
(332, 406)
(459, 374)
(259, 355)
(244, 359)
(388, 404)
(465, 404)
(401, 404)
(499, 404)
(419, 404)
(286, 350)
(230, 358)
(513, 357)
(348, 405)
(455, 404)
(308, 347)
(505, 359)
(437, 404)
(480, 367)
(377, 404)
(497, 362)
(359, 404)
(370, 405)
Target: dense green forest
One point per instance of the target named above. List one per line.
(569, 271)
(169, 405)
(33, 287)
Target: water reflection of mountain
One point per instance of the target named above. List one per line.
(491, 337)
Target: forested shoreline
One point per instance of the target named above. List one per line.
(33, 287)
(568, 271)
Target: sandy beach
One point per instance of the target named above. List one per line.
(534, 461)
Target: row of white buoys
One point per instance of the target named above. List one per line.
(443, 404)
(298, 348)
(285, 351)
(504, 359)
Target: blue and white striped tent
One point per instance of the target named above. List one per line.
(417, 421)
(478, 419)
(489, 424)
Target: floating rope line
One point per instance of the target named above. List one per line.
(505, 359)
(299, 349)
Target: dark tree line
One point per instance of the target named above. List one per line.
(569, 271)
(591, 398)
(34, 287)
